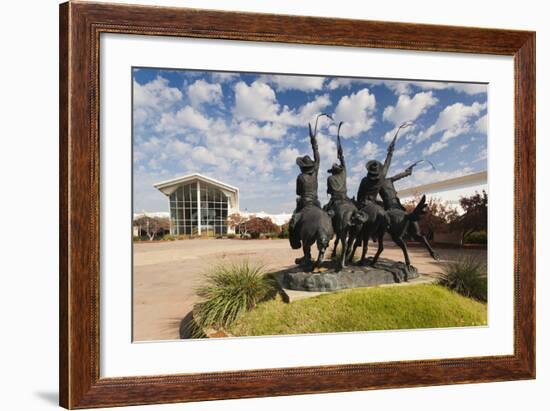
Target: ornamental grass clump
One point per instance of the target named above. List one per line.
(466, 276)
(229, 290)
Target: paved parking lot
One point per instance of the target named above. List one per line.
(166, 275)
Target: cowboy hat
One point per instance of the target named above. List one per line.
(374, 168)
(335, 169)
(305, 162)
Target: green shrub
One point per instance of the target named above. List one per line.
(231, 235)
(466, 276)
(230, 290)
(169, 237)
(272, 236)
(283, 233)
(477, 237)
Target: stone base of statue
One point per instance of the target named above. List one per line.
(353, 276)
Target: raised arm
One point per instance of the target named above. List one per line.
(387, 162)
(315, 148)
(340, 149)
(391, 147)
(401, 175)
(313, 139)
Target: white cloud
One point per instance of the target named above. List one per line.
(185, 118)
(308, 111)
(286, 159)
(356, 110)
(481, 124)
(257, 101)
(340, 82)
(272, 131)
(453, 121)
(400, 152)
(155, 94)
(203, 92)
(409, 109)
(205, 156)
(370, 149)
(152, 98)
(224, 77)
(302, 83)
(463, 148)
(435, 147)
(482, 156)
(405, 87)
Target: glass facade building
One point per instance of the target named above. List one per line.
(199, 205)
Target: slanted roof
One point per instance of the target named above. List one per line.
(168, 186)
(450, 184)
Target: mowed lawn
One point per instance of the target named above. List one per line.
(366, 309)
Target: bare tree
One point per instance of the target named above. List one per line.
(152, 226)
(238, 222)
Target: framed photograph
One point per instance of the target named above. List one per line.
(260, 205)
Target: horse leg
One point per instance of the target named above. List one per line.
(356, 243)
(322, 248)
(333, 255)
(417, 235)
(344, 240)
(363, 260)
(403, 246)
(307, 254)
(306, 258)
(380, 247)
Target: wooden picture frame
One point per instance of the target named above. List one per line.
(80, 27)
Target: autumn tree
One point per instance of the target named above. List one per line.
(238, 222)
(439, 216)
(257, 225)
(474, 217)
(152, 226)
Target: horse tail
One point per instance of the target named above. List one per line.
(419, 210)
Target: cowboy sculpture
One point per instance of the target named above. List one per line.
(336, 182)
(306, 183)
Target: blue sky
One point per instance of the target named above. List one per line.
(247, 130)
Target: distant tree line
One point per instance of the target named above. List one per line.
(254, 227)
(442, 217)
(152, 227)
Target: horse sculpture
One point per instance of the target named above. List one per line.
(348, 223)
(402, 223)
(314, 227)
(374, 227)
(397, 223)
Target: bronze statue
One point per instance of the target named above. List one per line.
(399, 222)
(354, 222)
(376, 173)
(346, 219)
(309, 224)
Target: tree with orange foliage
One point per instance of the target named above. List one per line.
(439, 217)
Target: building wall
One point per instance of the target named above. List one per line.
(199, 208)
